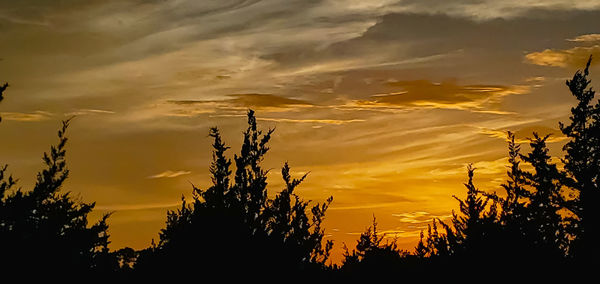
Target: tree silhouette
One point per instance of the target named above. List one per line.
(467, 231)
(582, 163)
(47, 230)
(235, 224)
(513, 213)
(513, 205)
(545, 227)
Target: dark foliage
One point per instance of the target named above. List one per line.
(582, 164)
(235, 225)
(46, 230)
(374, 258)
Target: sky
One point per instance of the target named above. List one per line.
(382, 102)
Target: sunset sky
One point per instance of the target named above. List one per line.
(384, 102)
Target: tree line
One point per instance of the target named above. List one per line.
(546, 216)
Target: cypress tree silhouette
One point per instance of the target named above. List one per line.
(45, 230)
(473, 228)
(582, 164)
(236, 226)
(545, 224)
(513, 205)
(513, 216)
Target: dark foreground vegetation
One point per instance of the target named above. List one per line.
(545, 222)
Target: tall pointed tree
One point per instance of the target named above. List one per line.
(513, 204)
(544, 222)
(472, 234)
(582, 163)
(220, 172)
(250, 186)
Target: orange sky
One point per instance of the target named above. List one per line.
(383, 102)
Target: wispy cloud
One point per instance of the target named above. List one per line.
(418, 217)
(27, 116)
(170, 174)
(586, 38)
(89, 112)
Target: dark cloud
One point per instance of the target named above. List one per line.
(491, 9)
(431, 34)
(497, 43)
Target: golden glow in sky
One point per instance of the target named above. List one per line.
(383, 102)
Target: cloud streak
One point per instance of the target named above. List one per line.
(169, 174)
(27, 116)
